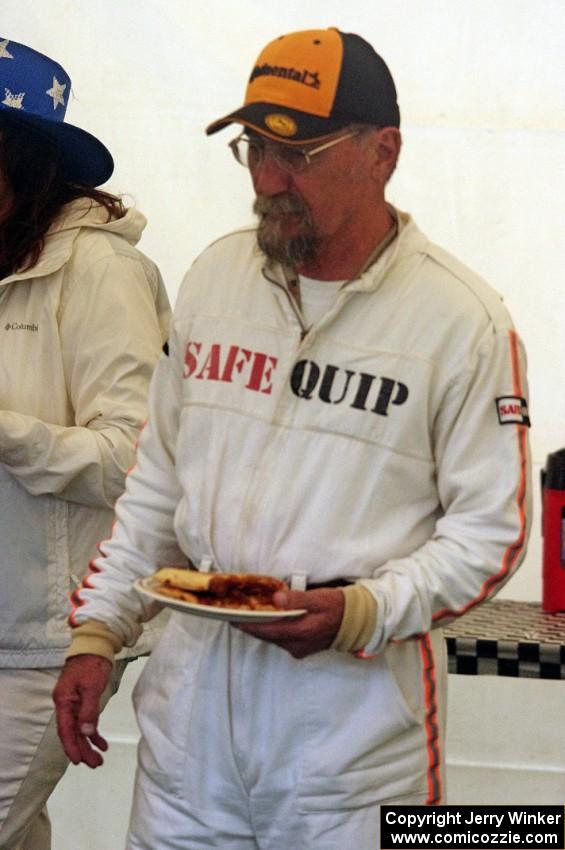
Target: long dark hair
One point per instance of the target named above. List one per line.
(35, 174)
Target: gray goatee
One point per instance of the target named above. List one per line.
(292, 251)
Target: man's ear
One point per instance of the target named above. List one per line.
(388, 141)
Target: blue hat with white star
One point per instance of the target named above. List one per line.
(34, 91)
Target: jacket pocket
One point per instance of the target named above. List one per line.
(58, 566)
(24, 561)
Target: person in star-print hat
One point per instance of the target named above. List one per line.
(83, 317)
(34, 94)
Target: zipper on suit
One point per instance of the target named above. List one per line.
(293, 300)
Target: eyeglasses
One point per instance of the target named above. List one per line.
(251, 152)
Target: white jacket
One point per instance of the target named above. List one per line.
(80, 334)
(388, 445)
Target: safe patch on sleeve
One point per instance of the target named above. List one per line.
(512, 410)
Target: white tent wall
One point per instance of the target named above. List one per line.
(481, 88)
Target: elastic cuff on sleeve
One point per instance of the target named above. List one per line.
(359, 619)
(94, 638)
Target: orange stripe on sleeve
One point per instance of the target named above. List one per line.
(514, 550)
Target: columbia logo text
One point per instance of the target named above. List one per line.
(21, 326)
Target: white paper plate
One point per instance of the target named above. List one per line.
(146, 586)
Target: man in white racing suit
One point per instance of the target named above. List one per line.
(343, 406)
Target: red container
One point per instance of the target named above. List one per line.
(553, 530)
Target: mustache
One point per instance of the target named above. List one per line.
(283, 204)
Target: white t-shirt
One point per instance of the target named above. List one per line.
(317, 296)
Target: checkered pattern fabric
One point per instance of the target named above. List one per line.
(507, 638)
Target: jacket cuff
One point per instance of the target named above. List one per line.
(359, 619)
(94, 638)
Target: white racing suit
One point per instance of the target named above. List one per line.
(388, 445)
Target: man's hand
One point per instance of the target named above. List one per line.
(77, 694)
(313, 631)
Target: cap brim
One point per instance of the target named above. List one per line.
(85, 159)
(281, 123)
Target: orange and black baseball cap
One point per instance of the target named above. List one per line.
(306, 86)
